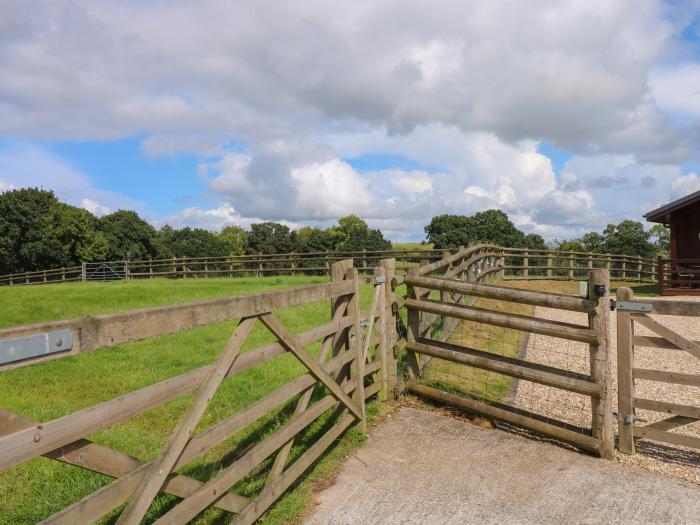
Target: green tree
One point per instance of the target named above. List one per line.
(128, 235)
(191, 242)
(353, 234)
(270, 237)
(235, 238)
(311, 239)
(628, 238)
(662, 239)
(71, 236)
(22, 229)
(490, 226)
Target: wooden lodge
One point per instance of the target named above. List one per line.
(680, 274)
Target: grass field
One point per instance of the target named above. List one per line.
(411, 246)
(38, 488)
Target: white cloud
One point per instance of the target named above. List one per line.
(677, 89)
(684, 185)
(306, 85)
(412, 182)
(94, 207)
(573, 73)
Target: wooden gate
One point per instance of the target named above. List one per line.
(351, 366)
(660, 341)
(423, 299)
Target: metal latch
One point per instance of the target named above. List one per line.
(630, 306)
(28, 346)
(380, 279)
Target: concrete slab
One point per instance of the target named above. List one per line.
(420, 467)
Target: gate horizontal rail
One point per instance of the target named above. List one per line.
(599, 437)
(345, 368)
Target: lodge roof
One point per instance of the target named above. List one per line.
(661, 214)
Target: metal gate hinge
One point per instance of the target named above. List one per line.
(630, 306)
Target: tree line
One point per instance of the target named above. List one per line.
(39, 232)
(493, 226)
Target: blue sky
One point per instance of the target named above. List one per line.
(567, 116)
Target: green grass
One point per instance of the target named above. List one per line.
(411, 246)
(38, 488)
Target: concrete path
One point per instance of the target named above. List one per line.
(420, 467)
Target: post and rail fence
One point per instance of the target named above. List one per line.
(516, 263)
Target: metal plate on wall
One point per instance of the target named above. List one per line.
(20, 348)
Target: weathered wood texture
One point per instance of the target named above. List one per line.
(102, 331)
(601, 407)
(665, 339)
(138, 482)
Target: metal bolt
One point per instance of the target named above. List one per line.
(37, 437)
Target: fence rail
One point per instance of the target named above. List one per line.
(515, 263)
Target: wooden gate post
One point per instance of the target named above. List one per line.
(601, 409)
(625, 381)
(390, 315)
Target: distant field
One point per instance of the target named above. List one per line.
(411, 246)
(34, 490)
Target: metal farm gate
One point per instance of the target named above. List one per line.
(105, 271)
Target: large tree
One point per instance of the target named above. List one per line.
(628, 238)
(270, 237)
(353, 234)
(129, 236)
(490, 226)
(191, 242)
(22, 229)
(235, 238)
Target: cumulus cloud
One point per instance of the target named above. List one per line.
(574, 73)
(412, 182)
(303, 87)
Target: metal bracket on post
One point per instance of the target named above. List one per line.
(631, 306)
(20, 348)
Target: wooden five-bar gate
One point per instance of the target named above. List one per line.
(669, 415)
(352, 365)
(361, 355)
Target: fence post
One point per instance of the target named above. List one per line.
(660, 274)
(639, 268)
(625, 381)
(150, 267)
(526, 264)
(571, 265)
(624, 268)
(63, 274)
(549, 265)
(601, 420)
(390, 318)
(174, 267)
(83, 272)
